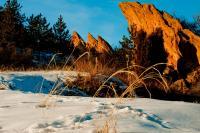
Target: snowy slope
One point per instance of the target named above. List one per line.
(22, 113)
(38, 81)
(26, 112)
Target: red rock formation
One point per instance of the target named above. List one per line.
(91, 42)
(77, 40)
(103, 46)
(100, 46)
(182, 47)
(154, 33)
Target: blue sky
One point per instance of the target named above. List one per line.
(101, 17)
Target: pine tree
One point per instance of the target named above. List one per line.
(40, 34)
(1, 9)
(11, 25)
(126, 43)
(128, 49)
(15, 8)
(7, 28)
(1, 12)
(61, 33)
(194, 26)
(124, 55)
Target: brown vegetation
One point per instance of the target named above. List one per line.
(10, 55)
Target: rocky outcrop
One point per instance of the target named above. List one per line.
(160, 38)
(77, 40)
(91, 42)
(103, 46)
(181, 46)
(99, 45)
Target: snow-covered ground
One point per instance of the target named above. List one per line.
(40, 113)
(40, 81)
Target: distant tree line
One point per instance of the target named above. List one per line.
(33, 32)
(21, 35)
(194, 26)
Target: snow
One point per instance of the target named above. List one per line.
(40, 81)
(42, 113)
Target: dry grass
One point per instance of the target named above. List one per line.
(138, 80)
(43, 68)
(128, 75)
(133, 79)
(109, 126)
(3, 87)
(93, 67)
(97, 73)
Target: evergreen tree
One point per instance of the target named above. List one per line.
(62, 36)
(193, 26)
(15, 8)
(11, 25)
(40, 34)
(124, 56)
(198, 20)
(127, 47)
(1, 10)
(7, 28)
(126, 43)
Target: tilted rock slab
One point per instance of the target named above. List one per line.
(100, 45)
(181, 45)
(91, 42)
(77, 40)
(103, 46)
